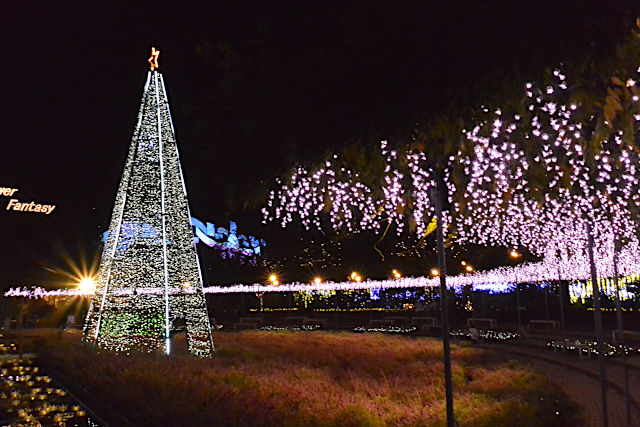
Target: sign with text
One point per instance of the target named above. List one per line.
(17, 205)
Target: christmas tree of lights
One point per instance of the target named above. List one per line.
(149, 283)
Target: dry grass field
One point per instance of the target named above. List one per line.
(316, 379)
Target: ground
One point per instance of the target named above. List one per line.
(310, 378)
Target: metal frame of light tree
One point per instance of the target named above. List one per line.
(163, 274)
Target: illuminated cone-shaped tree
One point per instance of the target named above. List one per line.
(149, 283)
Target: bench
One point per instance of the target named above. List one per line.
(294, 321)
(380, 323)
(481, 323)
(628, 336)
(398, 320)
(431, 330)
(320, 322)
(257, 320)
(543, 324)
(248, 323)
(417, 321)
(245, 325)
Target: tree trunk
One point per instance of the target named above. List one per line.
(598, 325)
(438, 194)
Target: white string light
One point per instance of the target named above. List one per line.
(149, 282)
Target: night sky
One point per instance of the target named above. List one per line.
(254, 89)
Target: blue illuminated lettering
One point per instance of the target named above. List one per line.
(228, 241)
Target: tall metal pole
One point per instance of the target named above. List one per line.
(598, 322)
(484, 304)
(619, 324)
(546, 302)
(443, 301)
(561, 299)
(473, 313)
(518, 304)
(620, 327)
(20, 325)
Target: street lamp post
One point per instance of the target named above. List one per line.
(433, 310)
(546, 302)
(598, 326)
(515, 255)
(620, 327)
(561, 299)
(437, 196)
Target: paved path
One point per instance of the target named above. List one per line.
(579, 379)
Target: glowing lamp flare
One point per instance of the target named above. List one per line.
(87, 285)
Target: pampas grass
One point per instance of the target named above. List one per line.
(316, 379)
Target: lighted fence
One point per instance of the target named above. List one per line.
(499, 280)
(581, 290)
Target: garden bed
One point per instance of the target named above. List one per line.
(314, 378)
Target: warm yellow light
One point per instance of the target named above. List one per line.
(317, 280)
(275, 283)
(463, 262)
(469, 268)
(358, 278)
(186, 285)
(273, 278)
(153, 59)
(353, 275)
(435, 272)
(87, 285)
(514, 253)
(396, 273)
